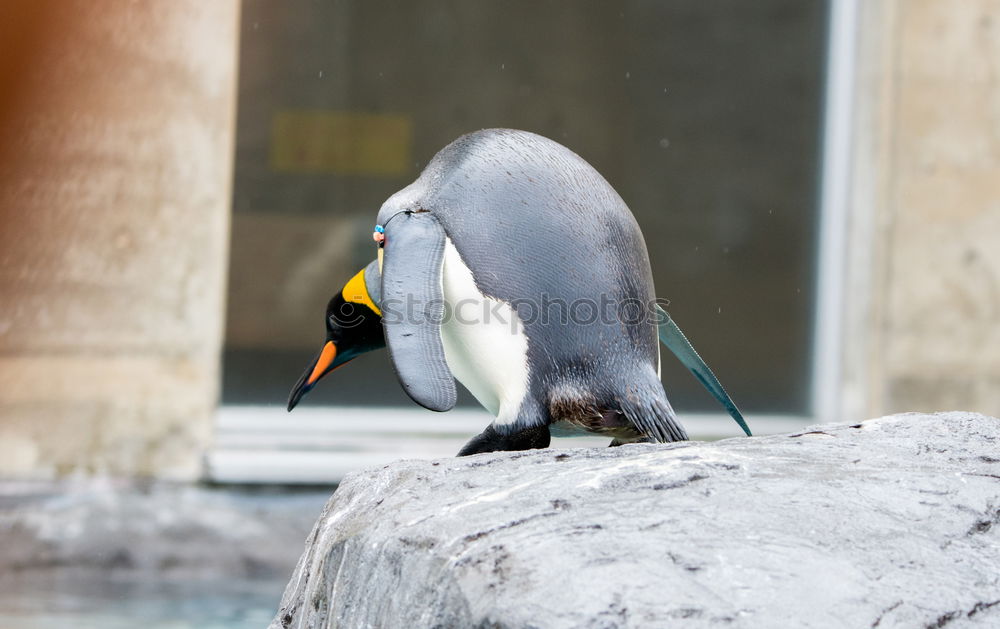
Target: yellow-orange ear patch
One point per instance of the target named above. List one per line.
(355, 291)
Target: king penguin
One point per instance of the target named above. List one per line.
(513, 266)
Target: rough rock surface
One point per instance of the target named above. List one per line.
(892, 522)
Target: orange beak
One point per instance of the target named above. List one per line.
(324, 361)
(307, 381)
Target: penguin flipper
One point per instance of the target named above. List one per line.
(676, 342)
(413, 308)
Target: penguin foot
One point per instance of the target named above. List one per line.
(491, 440)
(620, 442)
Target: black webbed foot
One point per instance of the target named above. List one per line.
(491, 440)
(619, 442)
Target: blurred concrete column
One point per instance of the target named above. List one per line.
(923, 290)
(116, 136)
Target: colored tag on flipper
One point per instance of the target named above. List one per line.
(676, 342)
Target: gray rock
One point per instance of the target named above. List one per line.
(103, 527)
(892, 522)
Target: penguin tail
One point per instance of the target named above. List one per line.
(653, 416)
(644, 404)
(635, 409)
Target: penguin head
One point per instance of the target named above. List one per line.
(353, 327)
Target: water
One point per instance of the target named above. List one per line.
(122, 603)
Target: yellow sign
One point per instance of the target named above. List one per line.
(341, 142)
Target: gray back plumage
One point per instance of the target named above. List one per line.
(537, 224)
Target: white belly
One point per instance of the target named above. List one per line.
(484, 341)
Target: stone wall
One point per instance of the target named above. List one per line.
(923, 300)
(116, 134)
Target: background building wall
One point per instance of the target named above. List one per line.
(116, 134)
(923, 300)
